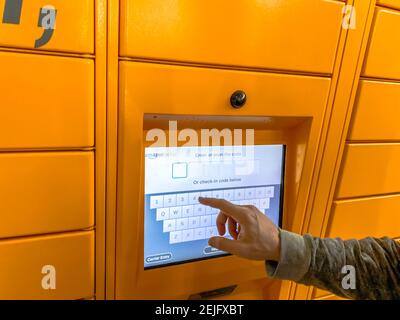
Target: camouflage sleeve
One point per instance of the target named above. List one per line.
(355, 269)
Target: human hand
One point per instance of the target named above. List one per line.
(254, 234)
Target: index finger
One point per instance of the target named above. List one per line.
(226, 207)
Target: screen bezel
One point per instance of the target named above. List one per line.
(216, 256)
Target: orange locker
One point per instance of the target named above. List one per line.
(302, 35)
(52, 148)
(46, 192)
(281, 108)
(47, 101)
(55, 25)
(382, 59)
(369, 169)
(376, 112)
(371, 216)
(48, 267)
(366, 202)
(166, 59)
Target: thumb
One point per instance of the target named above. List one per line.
(232, 246)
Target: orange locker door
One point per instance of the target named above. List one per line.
(382, 58)
(46, 101)
(291, 35)
(370, 120)
(48, 267)
(371, 216)
(55, 25)
(369, 169)
(46, 192)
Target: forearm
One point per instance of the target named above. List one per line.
(319, 262)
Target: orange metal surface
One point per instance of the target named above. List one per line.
(296, 35)
(23, 267)
(366, 217)
(46, 101)
(376, 112)
(389, 3)
(73, 30)
(382, 60)
(204, 95)
(370, 169)
(46, 192)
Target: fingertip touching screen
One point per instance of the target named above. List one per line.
(176, 226)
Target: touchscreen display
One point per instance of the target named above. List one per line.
(176, 226)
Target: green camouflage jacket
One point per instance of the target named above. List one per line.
(355, 269)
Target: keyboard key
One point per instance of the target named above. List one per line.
(260, 192)
(255, 202)
(205, 221)
(228, 194)
(170, 200)
(182, 199)
(269, 192)
(206, 194)
(188, 235)
(249, 193)
(187, 211)
(175, 212)
(182, 224)
(245, 202)
(219, 194)
(211, 232)
(199, 210)
(264, 204)
(162, 214)
(175, 237)
(238, 194)
(194, 222)
(169, 225)
(199, 234)
(156, 202)
(193, 197)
